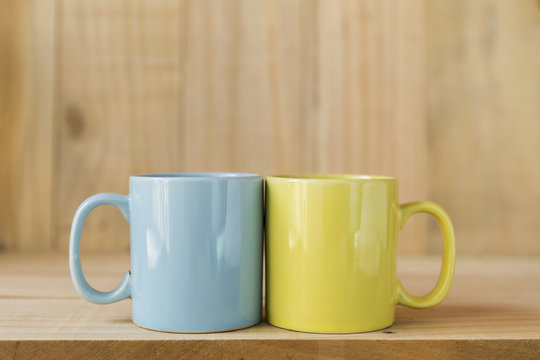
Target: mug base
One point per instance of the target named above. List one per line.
(196, 332)
(332, 332)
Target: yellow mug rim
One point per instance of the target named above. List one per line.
(330, 177)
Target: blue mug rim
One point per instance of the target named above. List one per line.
(199, 176)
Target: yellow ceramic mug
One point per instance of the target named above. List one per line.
(331, 252)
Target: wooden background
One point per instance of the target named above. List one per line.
(443, 94)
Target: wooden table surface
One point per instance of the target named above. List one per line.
(492, 312)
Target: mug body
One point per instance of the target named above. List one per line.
(331, 252)
(196, 251)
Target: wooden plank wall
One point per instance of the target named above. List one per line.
(92, 92)
(484, 121)
(120, 85)
(27, 102)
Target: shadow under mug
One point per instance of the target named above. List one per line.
(196, 251)
(331, 243)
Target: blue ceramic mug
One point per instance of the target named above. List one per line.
(196, 251)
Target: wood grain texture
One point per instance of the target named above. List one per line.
(259, 86)
(121, 83)
(274, 349)
(484, 128)
(92, 92)
(244, 87)
(27, 87)
(492, 312)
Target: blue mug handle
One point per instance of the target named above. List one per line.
(84, 289)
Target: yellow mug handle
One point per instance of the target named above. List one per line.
(442, 287)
